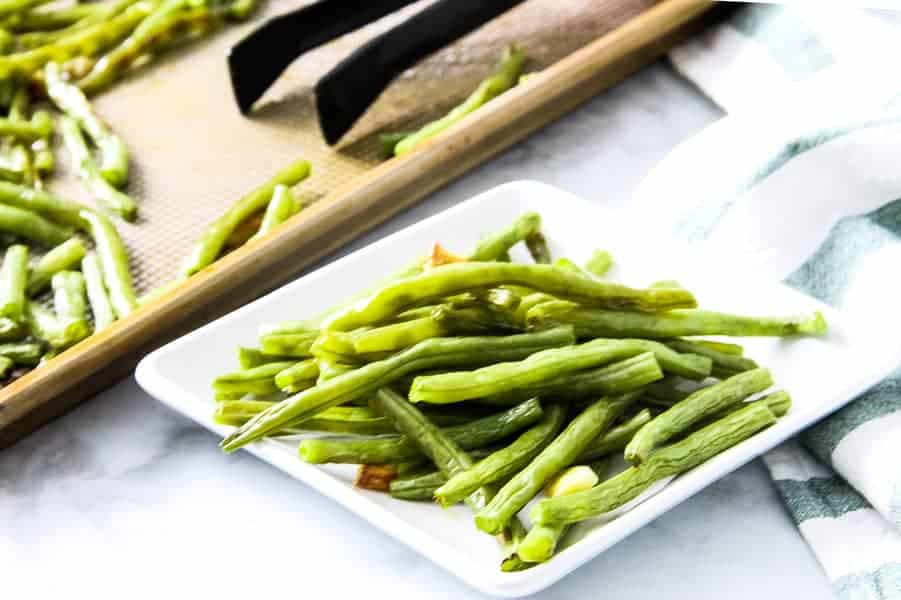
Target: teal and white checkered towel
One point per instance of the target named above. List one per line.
(802, 181)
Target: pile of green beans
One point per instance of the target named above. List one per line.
(534, 399)
(70, 256)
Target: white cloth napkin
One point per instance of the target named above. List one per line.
(802, 181)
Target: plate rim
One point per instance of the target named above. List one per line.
(493, 581)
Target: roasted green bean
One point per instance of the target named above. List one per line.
(504, 78)
(13, 282)
(113, 261)
(22, 353)
(558, 455)
(26, 224)
(258, 380)
(90, 174)
(430, 354)
(58, 333)
(595, 322)
(210, 245)
(506, 462)
(450, 279)
(450, 460)
(280, 208)
(665, 462)
(397, 448)
(543, 366)
(98, 297)
(616, 439)
(69, 296)
(43, 203)
(703, 403)
(64, 257)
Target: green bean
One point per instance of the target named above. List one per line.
(668, 391)
(444, 321)
(211, 242)
(616, 439)
(505, 462)
(450, 460)
(97, 294)
(616, 378)
(43, 203)
(430, 354)
(702, 403)
(399, 448)
(504, 78)
(40, 126)
(105, 11)
(454, 278)
(26, 224)
(241, 10)
(58, 333)
(549, 364)
(305, 370)
(390, 140)
(61, 258)
(21, 156)
(599, 263)
(541, 541)
(592, 322)
(10, 7)
(420, 488)
(258, 380)
(288, 344)
(22, 353)
(10, 330)
(83, 164)
(14, 163)
(677, 458)
(722, 347)
(86, 42)
(493, 246)
(720, 359)
(113, 168)
(280, 208)
(13, 281)
(565, 263)
(138, 42)
(538, 248)
(7, 42)
(6, 366)
(54, 17)
(555, 457)
(69, 296)
(778, 402)
(253, 357)
(113, 261)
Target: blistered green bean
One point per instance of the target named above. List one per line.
(506, 462)
(29, 225)
(98, 297)
(113, 261)
(13, 282)
(703, 403)
(558, 455)
(671, 460)
(451, 279)
(212, 241)
(65, 256)
(595, 322)
(549, 364)
(91, 175)
(393, 449)
(430, 354)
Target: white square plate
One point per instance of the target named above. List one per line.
(821, 374)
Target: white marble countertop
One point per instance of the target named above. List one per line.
(122, 496)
